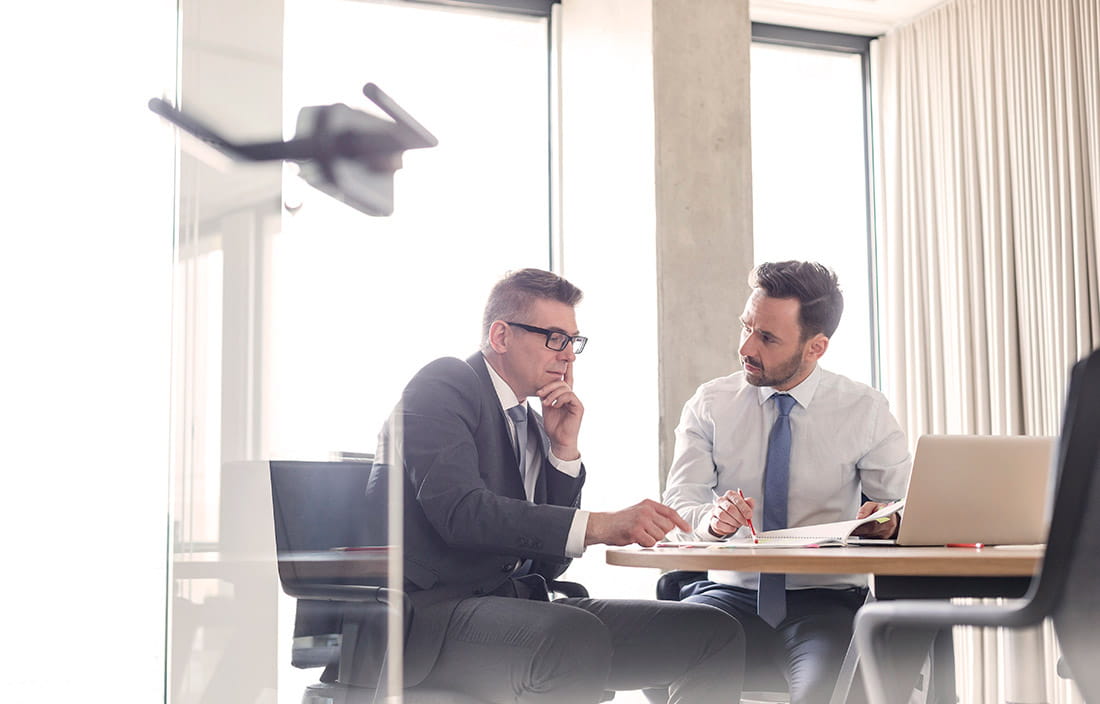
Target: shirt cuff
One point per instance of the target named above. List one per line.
(570, 467)
(574, 543)
(702, 531)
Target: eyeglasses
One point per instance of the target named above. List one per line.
(555, 339)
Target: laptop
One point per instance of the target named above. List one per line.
(978, 489)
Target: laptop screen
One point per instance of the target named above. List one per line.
(978, 489)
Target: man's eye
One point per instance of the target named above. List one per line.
(557, 339)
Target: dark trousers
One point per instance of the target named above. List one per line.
(808, 645)
(501, 649)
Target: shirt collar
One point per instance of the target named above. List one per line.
(803, 393)
(505, 395)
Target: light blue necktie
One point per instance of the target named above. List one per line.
(771, 601)
(518, 414)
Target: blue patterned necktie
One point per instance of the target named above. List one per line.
(518, 414)
(771, 598)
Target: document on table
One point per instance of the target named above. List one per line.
(818, 535)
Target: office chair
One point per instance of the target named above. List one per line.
(340, 620)
(1066, 590)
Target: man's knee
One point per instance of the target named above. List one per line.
(575, 646)
(720, 629)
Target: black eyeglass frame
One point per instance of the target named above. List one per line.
(578, 341)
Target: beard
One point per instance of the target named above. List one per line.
(782, 373)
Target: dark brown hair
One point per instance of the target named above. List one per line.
(814, 285)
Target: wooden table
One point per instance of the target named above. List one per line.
(876, 560)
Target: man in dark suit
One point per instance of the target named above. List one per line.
(491, 512)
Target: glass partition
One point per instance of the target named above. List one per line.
(298, 319)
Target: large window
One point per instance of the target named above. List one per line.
(809, 171)
(358, 303)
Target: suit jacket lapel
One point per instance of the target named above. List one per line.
(505, 460)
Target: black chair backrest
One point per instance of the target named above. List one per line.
(317, 506)
(1070, 576)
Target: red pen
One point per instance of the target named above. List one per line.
(965, 545)
(751, 529)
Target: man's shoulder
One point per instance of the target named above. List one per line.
(447, 371)
(846, 391)
(731, 383)
(721, 391)
(446, 365)
(840, 383)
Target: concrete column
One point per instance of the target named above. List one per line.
(656, 218)
(703, 195)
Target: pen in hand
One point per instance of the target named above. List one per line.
(751, 528)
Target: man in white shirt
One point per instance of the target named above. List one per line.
(786, 443)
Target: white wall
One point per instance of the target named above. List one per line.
(85, 304)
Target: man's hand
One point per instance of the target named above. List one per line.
(730, 512)
(887, 529)
(561, 415)
(644, 523)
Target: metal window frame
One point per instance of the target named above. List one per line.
(838, 42)
(531, 8)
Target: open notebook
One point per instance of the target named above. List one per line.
(817, 535)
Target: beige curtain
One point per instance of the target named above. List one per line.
(987, 125)
(988, 165)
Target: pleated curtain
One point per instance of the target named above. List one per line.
(988, 180)
(987, 184)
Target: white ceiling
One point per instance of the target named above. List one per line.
(869, 17)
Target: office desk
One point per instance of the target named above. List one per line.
(876, 560)
(897, 573)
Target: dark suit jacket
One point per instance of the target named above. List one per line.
(467, 521)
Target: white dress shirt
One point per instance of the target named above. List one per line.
(844, 440)
(574, 544)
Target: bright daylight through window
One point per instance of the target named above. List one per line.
(809, 180)
(358, 303)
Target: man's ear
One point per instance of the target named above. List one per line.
(499, 336)
(816, 347)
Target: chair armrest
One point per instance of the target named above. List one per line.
(938, 614)
(893, 636)
(569, 589)
(344, 592)
(670, 583)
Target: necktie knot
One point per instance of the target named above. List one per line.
(518, 414)
(784, 402)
